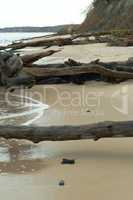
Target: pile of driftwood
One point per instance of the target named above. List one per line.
(76, 72)
(53, 41)
(16, 70)
(60, 40)
(112, 39)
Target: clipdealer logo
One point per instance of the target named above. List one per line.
(120, 100)
(94, 100)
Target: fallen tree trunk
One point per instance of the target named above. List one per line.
(40, 42)
(77, 70)
(73, 71)
(126, 66)
(91, 68)
(31, 58)
(119, 65)
(70, 71)
(65, 133)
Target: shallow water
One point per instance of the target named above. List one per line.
(7, 38)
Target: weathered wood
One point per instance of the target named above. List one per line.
(73, 71)
(70, 71)
(22, 79)
(121, 41)
(66, 133)
(40, 42)
(119, 65)
(126, 66)
(91, 68)
(55, 40)
(11, 67)
(122, 38)
(30, 58)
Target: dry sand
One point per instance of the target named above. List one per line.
(103, 170)
(90, 52)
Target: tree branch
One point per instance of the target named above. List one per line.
(31, 58)
(66, 133)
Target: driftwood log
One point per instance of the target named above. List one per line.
(40, 42)
(31, 58)
(66, 133)
(21, 70)
(119, 65)
(71, 70)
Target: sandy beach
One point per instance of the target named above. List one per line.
(103, 169)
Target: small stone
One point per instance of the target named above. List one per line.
(61, 183)
(88, 111)
(68, 161)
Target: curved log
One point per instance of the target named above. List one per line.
(30, 58)
(66, 133)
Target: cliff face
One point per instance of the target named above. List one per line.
(109, 15)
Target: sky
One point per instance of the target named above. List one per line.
(41, 12)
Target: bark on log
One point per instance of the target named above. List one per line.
(66, 133)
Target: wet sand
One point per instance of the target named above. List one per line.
(103, 169)
(89, 103)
